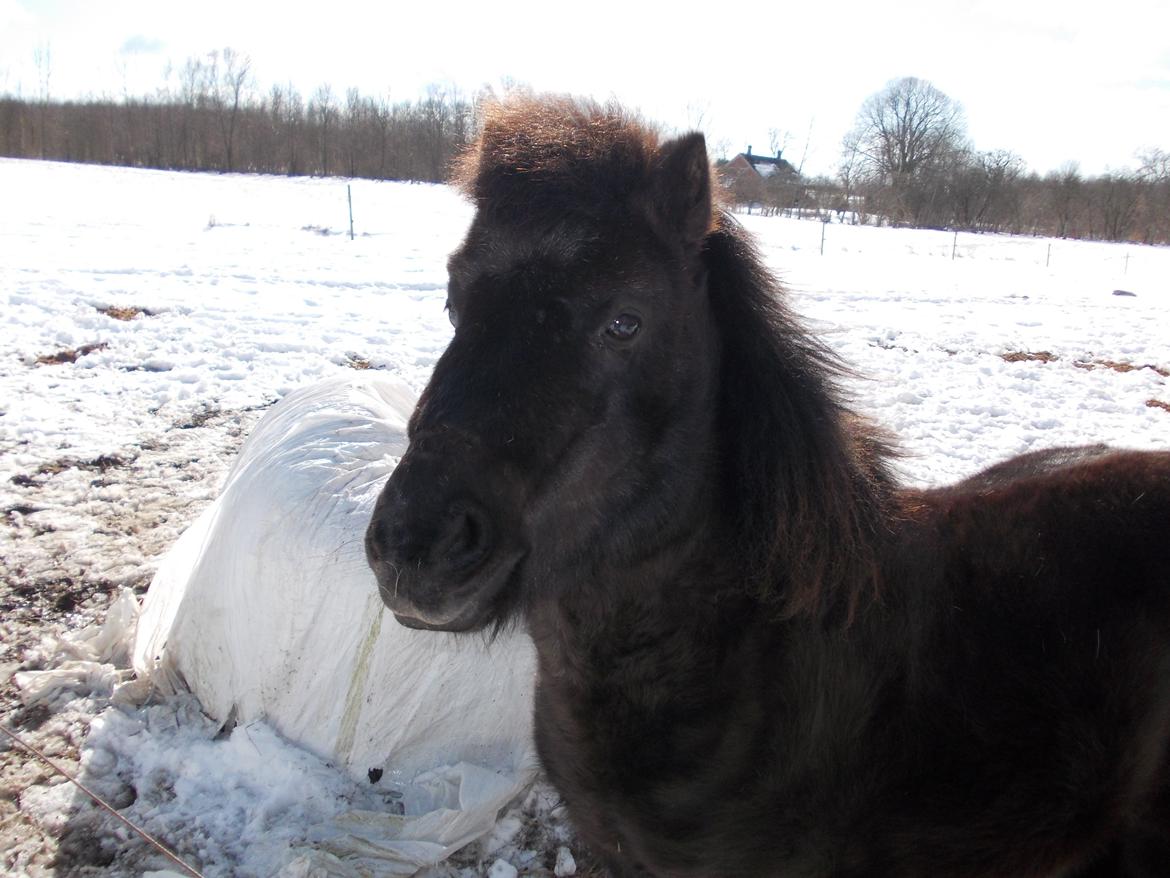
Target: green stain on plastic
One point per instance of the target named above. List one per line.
(357, 681)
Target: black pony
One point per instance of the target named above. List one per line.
(759, 655)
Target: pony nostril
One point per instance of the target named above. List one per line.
(375, 541)
(471, 536)
(466, 539)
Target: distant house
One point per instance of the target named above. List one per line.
(763, 166)
(752, 178)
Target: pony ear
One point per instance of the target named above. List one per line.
(681, 189)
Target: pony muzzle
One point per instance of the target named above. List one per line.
(439, 561)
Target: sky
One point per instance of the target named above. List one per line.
(1054, 82)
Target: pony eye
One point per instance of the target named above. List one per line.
(623, 327)
(452, 315)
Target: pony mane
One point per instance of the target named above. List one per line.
(808, 478)
(537, 158)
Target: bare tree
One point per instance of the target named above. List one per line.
(778, 139)
(355, 131)
(983, 191)
(1154, 174)
(1113, 202)
(907, 126)
(323, 110)
(43, 58)
(783, 190)
(292, 121)
(435, 113)
(230, 87)
(192, 100)
(697, 113)
(1155, 165)
(808, 136)
(849, 172)
(1065, 195)
(907, 136)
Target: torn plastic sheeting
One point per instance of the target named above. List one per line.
(468, 796)
(80, 677)
(87, 661)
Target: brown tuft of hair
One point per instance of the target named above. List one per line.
(541, 157)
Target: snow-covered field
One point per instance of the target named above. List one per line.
(244, 288)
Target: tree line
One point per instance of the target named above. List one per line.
(908, 161)
(209, 116)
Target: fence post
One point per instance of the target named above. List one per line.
(954, 245)
(349, 197)
(824, 223)
(1048, 258)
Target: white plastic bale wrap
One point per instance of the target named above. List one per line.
(266, 610)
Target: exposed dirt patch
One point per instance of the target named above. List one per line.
(201, 418)
(100, 464)
(1158, 404)
(213, 416)
(1114, 365)
(125, 313)
(1028, 357)
(356, 361)
(70, 355)
(34, 599)
(71, 534)
(1117, 366)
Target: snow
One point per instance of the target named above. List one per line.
(764, 169)
(252, 289)
(250, 299)
(926, 333)
(565, 864)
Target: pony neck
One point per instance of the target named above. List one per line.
(637, 621)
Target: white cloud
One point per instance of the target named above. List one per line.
(142, 45)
